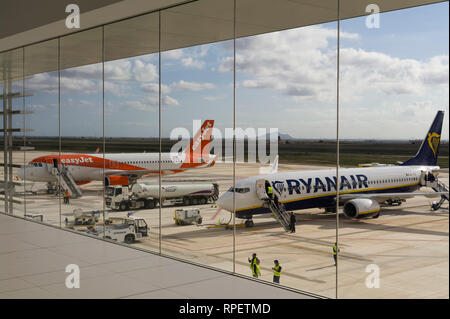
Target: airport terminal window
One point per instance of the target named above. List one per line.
(197, 85)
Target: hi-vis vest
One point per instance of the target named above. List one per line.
(335, 249)
(269, 190)
(254, 265)
(277, 270)
(258, 270)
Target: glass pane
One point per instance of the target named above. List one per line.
(13, 125)
(132, 128)
(394, 80)
(197, 113)
(79, 167)
(286, 108)
(42, 108)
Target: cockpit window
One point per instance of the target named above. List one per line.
(240, 190)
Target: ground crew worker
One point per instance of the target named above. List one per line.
(252, 262)
(257, 269)
(67, 197)
(270, 191)
(276, 272)
(335, 251)
(292, 222)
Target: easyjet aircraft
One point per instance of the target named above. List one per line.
(122, 168)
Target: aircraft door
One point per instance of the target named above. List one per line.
(261, 189)
(55, 163)
(426, 178)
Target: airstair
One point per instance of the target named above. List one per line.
(67, 181)
(439, 187)
(277, 209)
(279, 213)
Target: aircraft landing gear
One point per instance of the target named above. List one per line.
(394, 201)
(331, 209)
(249, 223)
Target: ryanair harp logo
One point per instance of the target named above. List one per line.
(433, 141)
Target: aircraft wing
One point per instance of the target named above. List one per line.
(381, 197)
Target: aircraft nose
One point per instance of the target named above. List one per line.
(20, 173)
(226, 201)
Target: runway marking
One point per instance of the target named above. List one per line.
(215, 247)
(217, 213)
(393, 239)
(341, 255)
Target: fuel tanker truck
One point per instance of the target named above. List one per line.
(145, 195)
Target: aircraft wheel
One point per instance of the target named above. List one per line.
(249, 223)
(129, 239)
(150, 204)
(123, 206)
(376, 216)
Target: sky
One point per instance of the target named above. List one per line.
(392, 82)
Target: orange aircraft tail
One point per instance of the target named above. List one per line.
(198, 150)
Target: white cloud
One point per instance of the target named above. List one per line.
(301, 64)
(363, 71)
(173, 54)
(169, 101)
(144, 72)
(192, 63)
(140, 106)
(154, 88)
(153, 101)
(191, 86)
(119, 70)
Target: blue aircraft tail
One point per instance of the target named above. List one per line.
(429, 150)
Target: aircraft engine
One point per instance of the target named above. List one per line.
(113, 180)
(361, 208)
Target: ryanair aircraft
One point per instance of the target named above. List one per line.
(361, 190)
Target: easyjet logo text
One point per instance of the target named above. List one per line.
(79, 160)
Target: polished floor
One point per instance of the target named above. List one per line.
(34, 257)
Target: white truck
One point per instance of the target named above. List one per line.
(146, 195)
(123, 229)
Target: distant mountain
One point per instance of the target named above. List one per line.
(281, 136)
(286, 136)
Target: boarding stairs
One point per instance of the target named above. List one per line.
(67, 181)
(440, 187)
(280, 214)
